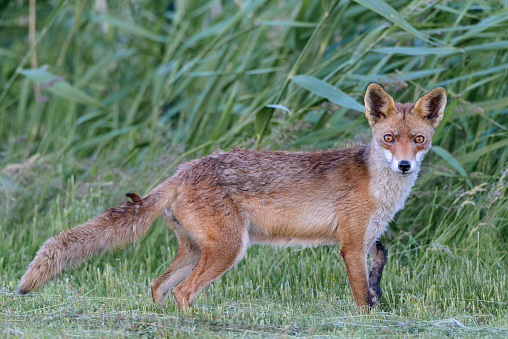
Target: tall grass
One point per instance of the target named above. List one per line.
(108, 99)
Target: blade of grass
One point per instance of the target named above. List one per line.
(327, 91)
(58, 86)
(450, 159)
(382, 8)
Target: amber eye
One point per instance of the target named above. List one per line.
(419, 139)
(388, 138)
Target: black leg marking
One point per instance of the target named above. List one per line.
(378, 254)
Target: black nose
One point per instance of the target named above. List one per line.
(404, 165)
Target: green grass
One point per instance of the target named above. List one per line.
(148, 85)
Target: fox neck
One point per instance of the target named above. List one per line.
(389, 190)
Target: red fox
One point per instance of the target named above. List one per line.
(219, 204)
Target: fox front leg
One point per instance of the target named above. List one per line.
(356, 267)
(378, 262)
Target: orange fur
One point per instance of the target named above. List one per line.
(220, 203)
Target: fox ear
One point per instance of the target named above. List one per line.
(378, 104)
(431, 106)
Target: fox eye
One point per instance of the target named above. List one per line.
(419, 139)
(388, 138)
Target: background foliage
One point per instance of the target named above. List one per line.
(103, 98)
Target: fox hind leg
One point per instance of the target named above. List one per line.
(378, 262)
(185, 261)
(219, 253)
(213, 263)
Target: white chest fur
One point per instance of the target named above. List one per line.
(390, 191)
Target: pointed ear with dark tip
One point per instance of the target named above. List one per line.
(378, 104)
(431, 106)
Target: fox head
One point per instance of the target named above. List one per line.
(402, 133)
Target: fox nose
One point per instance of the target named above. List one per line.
(404, 165)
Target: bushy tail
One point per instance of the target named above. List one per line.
(115, 227)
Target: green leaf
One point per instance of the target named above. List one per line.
(496, 69)
(449, 159)
(492, 105)
(239, 72)
(58, 86)
(473, 156)
(324, 134)
(491, 21)
(481, 83)
(4, 52)
(385, 10)
(403, 76)
(281, 107)
(452, 161)
(289, 23)
(490, 46)
(96, 141)
(441, 51)
(263, 117)
(130, 27)
(325, 90)
(449, 110)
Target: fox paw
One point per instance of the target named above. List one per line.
(375, 294)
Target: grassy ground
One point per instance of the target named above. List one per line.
(132, 89)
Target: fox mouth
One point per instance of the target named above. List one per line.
(404, 173)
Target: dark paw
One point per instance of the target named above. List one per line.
(375, 294)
